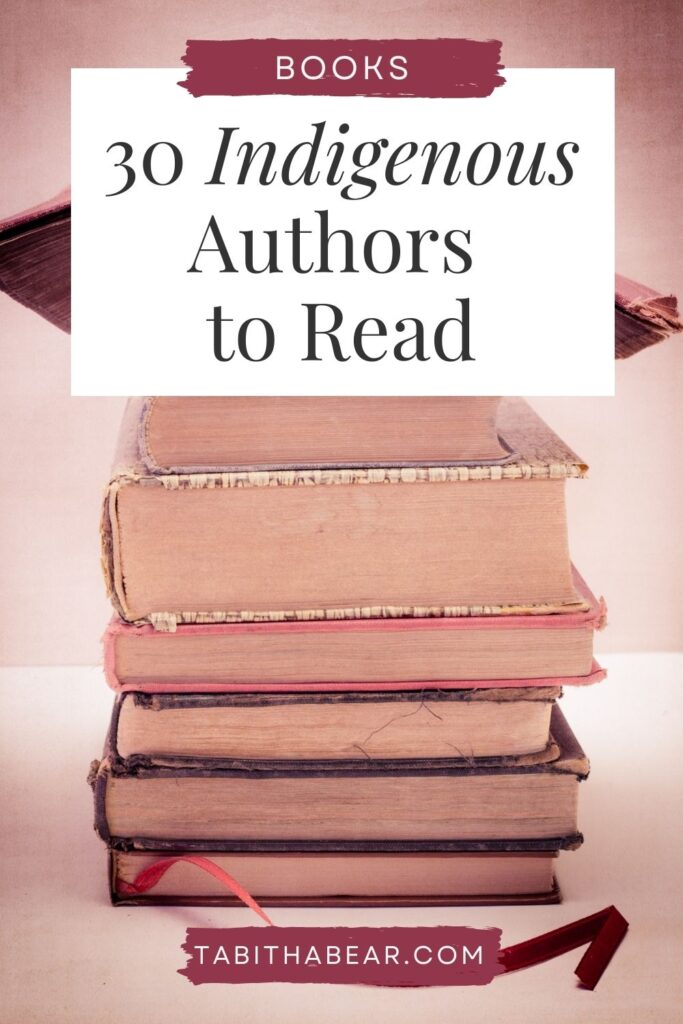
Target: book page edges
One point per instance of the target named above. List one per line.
(151, 465)
(198, 686)
(562, 754)
(552, 895)
(536, 451)
(592, 615)
(541, 454)
(168, 620)
(592, 612)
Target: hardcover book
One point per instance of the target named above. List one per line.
(227, 728)
(429, 653)
(198, 803)
(341, 878)
(299, 544)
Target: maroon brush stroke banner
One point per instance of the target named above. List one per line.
(412, 957)
(433, 68)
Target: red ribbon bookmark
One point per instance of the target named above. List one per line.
(150, 875)
(603, 931)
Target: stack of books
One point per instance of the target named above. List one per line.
(342, 627)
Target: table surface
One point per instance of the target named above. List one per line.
(68, 956)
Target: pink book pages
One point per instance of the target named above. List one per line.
(591, 619)
(203, 686)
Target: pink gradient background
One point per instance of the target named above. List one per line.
(625, 520)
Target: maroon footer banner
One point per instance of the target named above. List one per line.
(344, 956)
